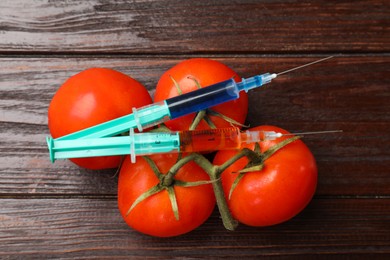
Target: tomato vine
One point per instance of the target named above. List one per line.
(167, 181)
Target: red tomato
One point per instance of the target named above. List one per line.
(276, 193)
(206, 72)
(154, 216)
(91, 97)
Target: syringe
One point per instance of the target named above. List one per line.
(151, 143)
(167, 142)
(178, 106)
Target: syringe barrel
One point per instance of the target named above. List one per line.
(155, 143)
(202, 98)
(210, 139)
(134, 144)
(146, 143)
(141, 118)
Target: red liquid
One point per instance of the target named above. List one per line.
(210, 140)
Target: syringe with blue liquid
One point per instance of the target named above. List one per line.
(178, 106)
(137, 144)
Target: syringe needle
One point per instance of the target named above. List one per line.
(260, 80)
(304, 65)
(272, 135)
(316, 132)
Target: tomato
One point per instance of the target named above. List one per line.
(154, 215)
(91, 97)
(206, 72)
(276, 193)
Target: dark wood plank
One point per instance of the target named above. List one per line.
(177, 26)
(83, 228)
(61, 211)
(348, 93)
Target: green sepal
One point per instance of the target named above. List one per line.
(210, 122)
(198, 117)
(172, 198)
(154, 167)
(252, 168)
(193, 183)
(177, 86)
(258, 166)
(226, 118)
(273, 149)
(235, 183)
(154, 190)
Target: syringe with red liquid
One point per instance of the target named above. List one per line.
(137, 144)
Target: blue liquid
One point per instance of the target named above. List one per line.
(202, 98)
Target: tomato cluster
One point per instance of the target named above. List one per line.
(170, 194)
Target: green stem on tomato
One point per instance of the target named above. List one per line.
(255, 159)
(214, 172)
(227, 219)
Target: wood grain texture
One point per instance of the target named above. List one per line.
(329, 96)
(87, 229)
(61, 211)
(188, 26)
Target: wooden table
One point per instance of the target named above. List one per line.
(62, 211)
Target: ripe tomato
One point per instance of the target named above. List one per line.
(206, 72)
(276, 193)
(154, 215)
(91, 97)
